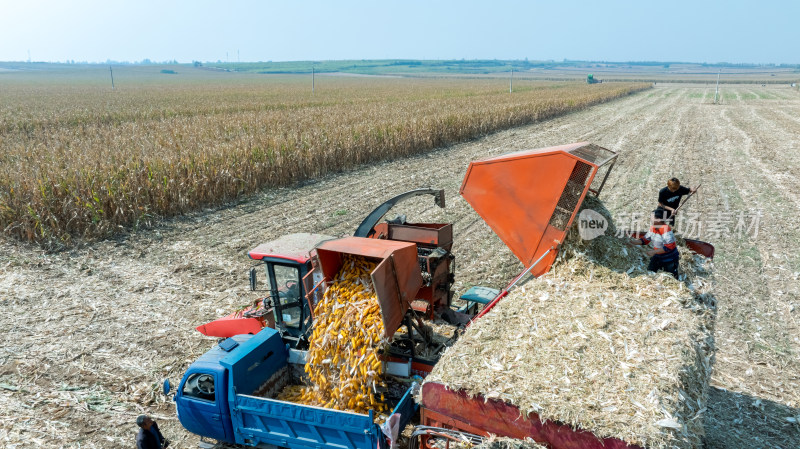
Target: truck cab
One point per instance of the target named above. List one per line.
(230, 395)
(202, 396)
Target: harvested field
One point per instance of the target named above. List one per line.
(90, 333)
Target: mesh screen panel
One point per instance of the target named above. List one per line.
(568, 201)
(594, 154)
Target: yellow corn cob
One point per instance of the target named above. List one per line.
(342, 358)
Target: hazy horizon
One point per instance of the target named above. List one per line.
(149, 61)
(91, 31)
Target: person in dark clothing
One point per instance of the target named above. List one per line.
(664, 255)
(149, 437)
(669, 198)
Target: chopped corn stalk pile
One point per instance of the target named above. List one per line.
(494, 442)
(342, 362)
(598, 343)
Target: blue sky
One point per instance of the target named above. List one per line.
(697, 31)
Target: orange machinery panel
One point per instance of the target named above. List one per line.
(396, 279)
(430, 235)
(435, 292)
(530, 198)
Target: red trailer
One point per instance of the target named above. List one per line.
(451, 409)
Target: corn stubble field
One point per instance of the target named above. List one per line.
(81, 160)
(92, 330)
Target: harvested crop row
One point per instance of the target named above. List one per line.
(342, 362)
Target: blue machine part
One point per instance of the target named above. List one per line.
(407, 407)
(285, 424)
(481, 295)
(201, 398)
(477, 295)
(254, 361)
(228, 344)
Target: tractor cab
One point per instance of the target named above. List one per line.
(283, 265)
(285, 262)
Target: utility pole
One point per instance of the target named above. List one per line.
(112, 77)
(716, 93)
(511, 81)
(312, 78)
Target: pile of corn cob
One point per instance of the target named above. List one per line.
(342, 362)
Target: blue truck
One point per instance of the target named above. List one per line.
(228, 395)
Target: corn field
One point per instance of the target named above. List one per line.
(79, 160)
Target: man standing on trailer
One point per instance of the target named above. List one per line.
(664, 255)
(669, 198)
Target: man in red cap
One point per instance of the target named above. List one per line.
(664, 255)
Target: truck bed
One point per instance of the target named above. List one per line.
(294, 375)
(443, 407)
(260, 419)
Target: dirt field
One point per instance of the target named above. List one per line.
(90, 334)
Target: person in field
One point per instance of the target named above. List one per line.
(664, 255)
(669, 198)
(149, 437)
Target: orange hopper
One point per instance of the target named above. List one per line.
(530, 198)
(397, 277)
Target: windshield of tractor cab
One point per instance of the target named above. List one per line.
(287, 287)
